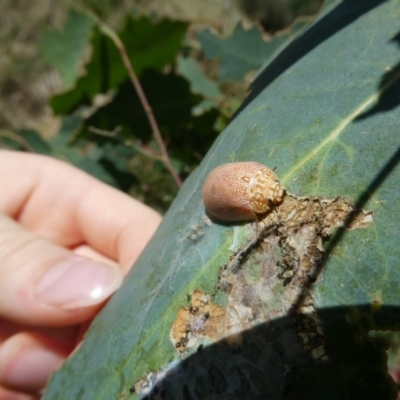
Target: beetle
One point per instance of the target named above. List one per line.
(240, 191)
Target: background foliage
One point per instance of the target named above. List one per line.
(194, 61)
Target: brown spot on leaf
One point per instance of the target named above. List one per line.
(201, 319)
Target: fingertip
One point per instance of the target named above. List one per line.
(7, 394)
(28, 359)
(42, 283)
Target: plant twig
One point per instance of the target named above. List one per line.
(103, 132)
(147, 151)
(139, 147)
(143, 99)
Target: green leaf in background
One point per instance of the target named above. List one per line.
(151, 44)
(94, 81)
(148, 44)
(188, 68)
(65, 49)
(243, 51)
(329, 121)
(171, 106)
(34, 141)
(95, 169)
(188, 136)
(199, 84)
(84, 158)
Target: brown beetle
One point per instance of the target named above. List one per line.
(239, 191)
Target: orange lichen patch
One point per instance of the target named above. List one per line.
(201, 319)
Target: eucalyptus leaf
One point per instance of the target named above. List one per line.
(329, 122)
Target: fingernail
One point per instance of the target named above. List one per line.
(77, 282)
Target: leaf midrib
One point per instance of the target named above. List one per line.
(335, 133)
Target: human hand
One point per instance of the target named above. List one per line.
(66, 241)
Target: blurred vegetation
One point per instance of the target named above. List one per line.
(65, 91)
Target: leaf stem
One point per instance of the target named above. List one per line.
(16, 138)
(143, 99)
(147, 151)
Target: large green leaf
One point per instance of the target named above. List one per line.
(326, 113)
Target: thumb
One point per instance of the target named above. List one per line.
(42, 283)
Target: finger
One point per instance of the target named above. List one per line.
(88, 252)
(6, 394)
(71, 208)
(27, 360)
(69, 334)
(42, 283)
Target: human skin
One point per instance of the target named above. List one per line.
(66, 242)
